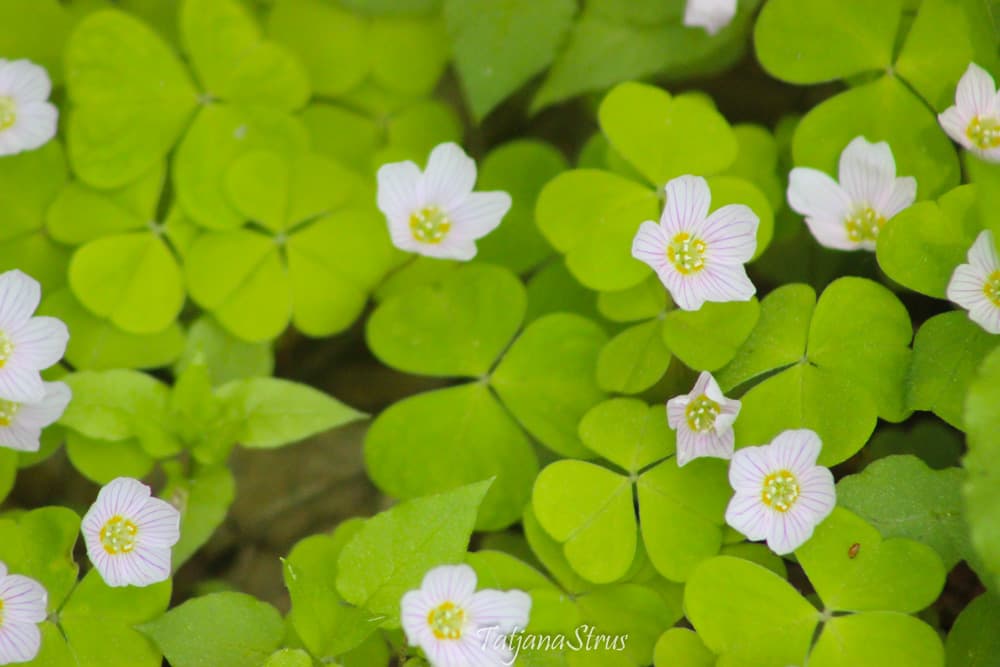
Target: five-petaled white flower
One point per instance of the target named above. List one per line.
(27, 119)
(699, 257)
(129, 534)
(21, 424)
(781, 494)
(976, 286)
(436, 213)
(23, 603)
(974, 120)
(704, 421)
(850, 215)
(28, 344)
(712, 15)
(457, 626)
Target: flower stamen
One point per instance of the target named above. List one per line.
(8, 112)
(701, 413)
(991, 288)
(6, 349)
(686, 253)
(446, 621)
(8, 411)
(864, 225)
(780, 490)
(118, 535)
(430, 225)
(984, 132)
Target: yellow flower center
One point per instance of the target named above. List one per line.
(780, 490)
(118, 535)
(8, 112)
(429, 225)
(686, 253)
(6, 349)
(8, 410)
(984, 132)
(864, 225)
(991, 288)
(446, 621)
(701, 414)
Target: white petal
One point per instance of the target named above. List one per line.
(38, 343)
(832, 234)
(48, 410)
(449, 176)
(143, 567)
(398, 198)
(965, 289)
(817, 493)
(900, 196)
(724, 283)
(414, 609)
(867, 170)
(505, 610)
(692, 445)
(730, 234)
(3, 569)
(478, 215)
(123, 497)
(449, 248)
(955, 122)
(749, 467)
(712, 15)
(686, 208)
(795, 450)
(747, 514)
(20, 383)
(650, 246)
(20, 438)
(730, 410)
(19, 642)
(19, 297)
(983, 253)
(975, 91)
(706, 385)
(989, 154)
(450, 583)
(789, 531)
(35, 126)
(158, 524)
(676, 408)
(813, 194)
(24, 81)
(686, 291)
(24, 600)
(987, 315)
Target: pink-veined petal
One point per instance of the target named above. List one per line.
(505, 610)
(692, 445)
(398, 184)
(48, 410)
(685, 290)
(987, 315)
(38, 343)
(729, 411)
(688, 199)
(158, 524)
(449, 177)
(478, 215)
(724, 283)
(450, 583)
(748, 515)
(19, 297)
(24, 599)
(650, 246)
(676, 408)
(414, 609)
(867, 170)
(749, 467)
(20, 383)
(965, 289)
(730, 235)
(897, 198)
(813, 194)
(955, 122)
(124, 497)
(975, 91)
(20, 438)
(789, 531)
(983, 253)
(795, 450)
(817, 493)
(19, 642)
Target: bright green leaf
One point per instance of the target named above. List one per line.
(634, 360)
(709, 338)
(875, 640)
(103, 460)
(629, 433)
(982, 499)
(39, 544)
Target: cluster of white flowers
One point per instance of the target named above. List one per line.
(27, 119)
(28, 345)
(781, 495)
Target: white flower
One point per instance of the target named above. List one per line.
(849, 215)
(703, 420)
(129, 534)
(436, 213)
(28, 344)
(699, 257)
(712, 15)
(21, 424)
(974, 120)
(976, 286)
(23, 604)
(27, 119)
(458, 627)
(781, 494)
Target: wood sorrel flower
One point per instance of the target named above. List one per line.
(703, 420)
(457, 626)
(21, 424)
(781, 494)
(129, 534)
(849, 215)
(699, 257)
(976, 286)
(974, 120)
(712, 15)
(23, 603)
(27, 119)
(436, 213)
(28, 344)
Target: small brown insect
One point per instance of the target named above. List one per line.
(853, 551)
